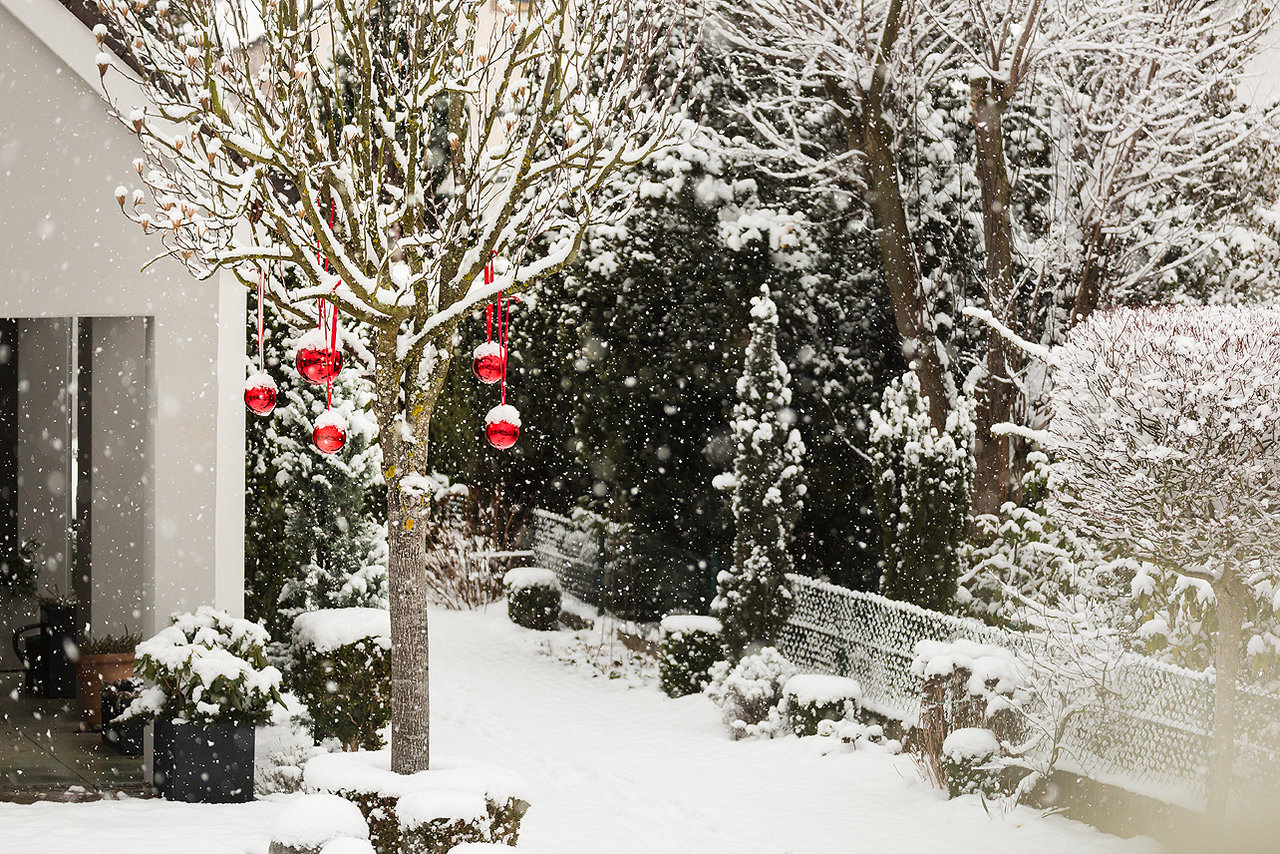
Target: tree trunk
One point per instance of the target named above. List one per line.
(901, 271)
(996, 394)
(1231, 597)
(402, 433)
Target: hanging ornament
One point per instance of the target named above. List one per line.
(330, 432)
(260, 390)
(317, 360)
(486, 362)
(502, 426)
(260, 393)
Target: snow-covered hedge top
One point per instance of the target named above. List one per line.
(819, 689)
(418, 808)
(331, 628)
(312, 820)
(678, 624)
(208, 668)
(530, 576)
(993, 669)
(972, 743)
(370, 771)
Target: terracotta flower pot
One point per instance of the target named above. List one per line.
(94, 671)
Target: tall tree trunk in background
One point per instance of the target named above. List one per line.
(1231, 596)
(404, 452)
(996, 394)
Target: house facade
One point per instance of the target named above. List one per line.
(121, 418)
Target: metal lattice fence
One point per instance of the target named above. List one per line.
(1149, 731)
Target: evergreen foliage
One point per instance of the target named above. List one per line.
(315, 533)
(690, 647)
(346, 690)
(753, 598)
(922, 485)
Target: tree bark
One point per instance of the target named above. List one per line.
(1231, 596)
(996, 394)
(404, 450)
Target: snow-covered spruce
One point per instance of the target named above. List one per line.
(922, 480)
(753, 598)
(342, 674)
(312, 821)
(207, 668)
(811, 698)
(430, 811)
(689, 647)
(533, 597)
(749, 693)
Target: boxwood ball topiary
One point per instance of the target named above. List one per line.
(342, 674)
(533, 598)
(689, 647)
(812, 698)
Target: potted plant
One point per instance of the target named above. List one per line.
(211, 685)
(18, 576)
(102, 660)
(124, 737)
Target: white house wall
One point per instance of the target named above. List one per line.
(66, 249)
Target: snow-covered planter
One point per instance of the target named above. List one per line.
(342, 674)
(533, 597)
(690, 647)
(970, 758)
(425, 813)
(211, 685)
(810, 698)
(749, 693)
(307, 825)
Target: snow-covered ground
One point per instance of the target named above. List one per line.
(614, 769)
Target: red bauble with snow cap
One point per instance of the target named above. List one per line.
(330, 432)
(260, 393)
(502, 426)
(486, 362)
(317, 361)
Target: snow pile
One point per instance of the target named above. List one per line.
(971, 744)
(530, 576)
(679, 624)
(258, 380)
(418, 808)
(819, 689)
(369, 771)
(489, 348)
(334, 627)
(313, 820)
(347, 845)
(331, 418)
(992, 669)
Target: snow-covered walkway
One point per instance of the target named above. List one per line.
(614, 770)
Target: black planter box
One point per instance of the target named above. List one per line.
(124, 738)
(207, 765)
(58, 628)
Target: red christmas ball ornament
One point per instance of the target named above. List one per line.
(260, 393)
(502, 426)
(486, 362)
(330, 433)
(316, 361)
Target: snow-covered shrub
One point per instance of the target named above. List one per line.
(966, 685)
(690, 646)
(922, 482)
(811, 698)
(342, 674)
(969, 759)
(749, 693)
(309, 823)
(429, 812)
(207, 668)
(533, 597)
(753, 598)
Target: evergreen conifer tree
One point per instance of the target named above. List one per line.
(922, 481)
(753, 599)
